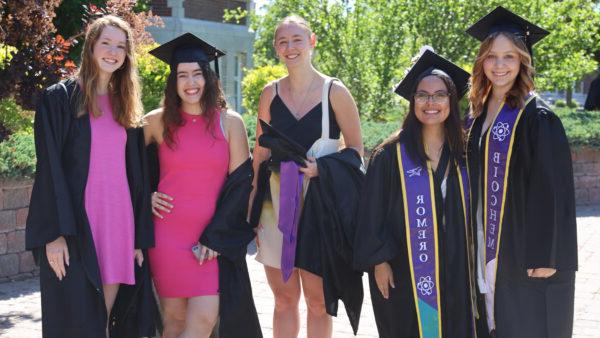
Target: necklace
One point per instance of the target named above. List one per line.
(296, 108)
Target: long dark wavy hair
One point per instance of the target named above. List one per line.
(211, 101)
(411, 132)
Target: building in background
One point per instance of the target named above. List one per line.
(204, 18)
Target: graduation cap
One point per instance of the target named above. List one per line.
(503, 20)
(281, 145)
(426, 64)
(187, 48)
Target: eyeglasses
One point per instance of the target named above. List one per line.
(439, 97)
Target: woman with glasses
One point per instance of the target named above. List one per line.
(412, 234)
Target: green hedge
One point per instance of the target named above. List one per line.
(13, 118)
(17, 154)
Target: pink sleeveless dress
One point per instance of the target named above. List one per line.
(107, 198)
(193, 173)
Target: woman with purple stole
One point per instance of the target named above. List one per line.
(412, 234)
(522, 189)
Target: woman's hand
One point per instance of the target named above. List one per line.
(311, 170)
(57, 253)
(139, 256)
(384, 277)
(541, 272)
(160, 201)
(206, 254)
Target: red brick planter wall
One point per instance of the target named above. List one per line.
(586, 169)
(16, 263)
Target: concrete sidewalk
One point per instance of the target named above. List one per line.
(20, 301)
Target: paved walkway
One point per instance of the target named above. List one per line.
(20, 301)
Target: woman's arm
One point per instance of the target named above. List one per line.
(237, 138)
(153, 127)
(346, 116)
(259, 153)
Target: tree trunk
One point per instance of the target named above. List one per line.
(569, 96)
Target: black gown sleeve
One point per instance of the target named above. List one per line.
(374, 241)
(51, 211)
(550, 228)
(144, 225)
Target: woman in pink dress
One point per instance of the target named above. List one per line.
(199, 142)
(89, 214)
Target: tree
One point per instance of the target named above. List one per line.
(369, 43)
(365, 52)
(38, 58)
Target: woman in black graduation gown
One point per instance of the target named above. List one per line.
(68, 235)
(386, 246)
(522, 189)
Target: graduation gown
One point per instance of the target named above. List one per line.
(326, 231)
(539, 227)
(74, 307)
(229, 234)
(381, 237)
(592, 102)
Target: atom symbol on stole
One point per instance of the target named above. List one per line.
(425, 285)
(500, 131)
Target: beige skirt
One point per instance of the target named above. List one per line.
(270, 238)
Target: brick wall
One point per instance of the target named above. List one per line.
(160, 8)
(586, 169)
(15, 262)
(211, 10)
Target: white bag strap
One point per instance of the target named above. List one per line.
(325, 107)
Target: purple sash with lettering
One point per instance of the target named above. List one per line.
(422, 242)
(498, 152)
(290, 198)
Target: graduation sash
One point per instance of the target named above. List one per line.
(498, 152)
(422, 242)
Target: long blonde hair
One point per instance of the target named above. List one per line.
(123, 87)
(481, 85)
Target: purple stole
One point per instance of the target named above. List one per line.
(422, 242)
(422, 239)
(498, 152)
(290, 199)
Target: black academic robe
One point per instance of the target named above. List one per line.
(326, 231)
(229, 234)
(539, 227)
(74, 307)
(592, 102)
(381, 237)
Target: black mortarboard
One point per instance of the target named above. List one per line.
(503, 20)
(427, 63)
(187, 48)
(282, 146)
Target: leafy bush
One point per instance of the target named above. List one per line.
(560, 103)
(17, 156)
(13, 118)
(250, 122)
(153, 75)
(582, 127)
(254, 82)
(573, 104)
